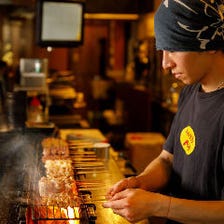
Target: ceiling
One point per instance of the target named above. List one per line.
(96, 6)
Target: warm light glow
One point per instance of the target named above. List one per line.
(114, 16)
(72, 214)
(49, 49)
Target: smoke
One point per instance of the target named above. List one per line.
(20, 167)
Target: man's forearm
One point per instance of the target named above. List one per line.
(156, 174)
(196, 212)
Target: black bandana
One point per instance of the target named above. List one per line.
(190, 25)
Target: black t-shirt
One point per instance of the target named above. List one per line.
(196, 140)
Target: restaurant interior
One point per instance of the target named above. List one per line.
(106, 84)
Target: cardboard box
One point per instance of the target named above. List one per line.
(143, 147)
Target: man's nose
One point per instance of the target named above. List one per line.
(166, 61)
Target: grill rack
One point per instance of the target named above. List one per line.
(85, 213)
(43, 212)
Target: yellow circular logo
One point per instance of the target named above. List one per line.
(187, 139)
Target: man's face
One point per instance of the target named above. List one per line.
(188, 67)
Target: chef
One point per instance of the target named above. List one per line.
(185, 184)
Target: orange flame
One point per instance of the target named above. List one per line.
(72, 214)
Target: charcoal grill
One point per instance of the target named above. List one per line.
(85, 213)
(17, 197)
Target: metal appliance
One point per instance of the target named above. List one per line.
(33, 72)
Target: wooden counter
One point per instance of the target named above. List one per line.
(107, 178)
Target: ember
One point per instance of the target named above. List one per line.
(55, 215)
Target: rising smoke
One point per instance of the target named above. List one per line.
(19, 163)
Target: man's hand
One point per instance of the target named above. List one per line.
(126, 183)
(138, 204)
